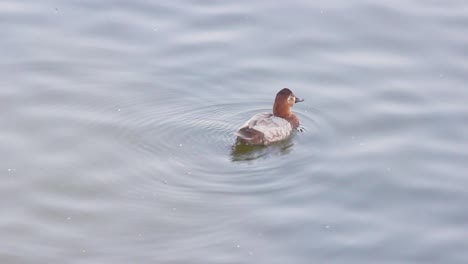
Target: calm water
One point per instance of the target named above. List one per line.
(116, 122)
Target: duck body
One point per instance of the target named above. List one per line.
(266, 128)
(263, 129)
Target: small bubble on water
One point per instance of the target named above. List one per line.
(180, 145)
(238, 246)
(118, 110)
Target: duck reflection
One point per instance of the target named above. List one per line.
(245, 152)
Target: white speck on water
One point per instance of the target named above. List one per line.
(238, 246)
(118, 110)
(180, 145)
(164, 181)
(69, 218)
(9, 169)
(174, 209)
(327, 226)
(188, 172)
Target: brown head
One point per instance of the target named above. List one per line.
(284, 101)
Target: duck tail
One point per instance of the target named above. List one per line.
(249, 136)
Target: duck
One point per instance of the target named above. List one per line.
(266, 128)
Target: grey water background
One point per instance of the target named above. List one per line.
(116, 122)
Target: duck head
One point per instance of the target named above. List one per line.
(284, 101)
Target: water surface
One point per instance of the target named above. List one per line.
(117, 121)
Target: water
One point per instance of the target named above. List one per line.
(116, 122)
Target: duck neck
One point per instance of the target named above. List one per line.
(282, 110)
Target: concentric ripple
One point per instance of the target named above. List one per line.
(195, 146)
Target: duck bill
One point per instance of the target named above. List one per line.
(298, 100)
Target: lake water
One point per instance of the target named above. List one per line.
(117, 121)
